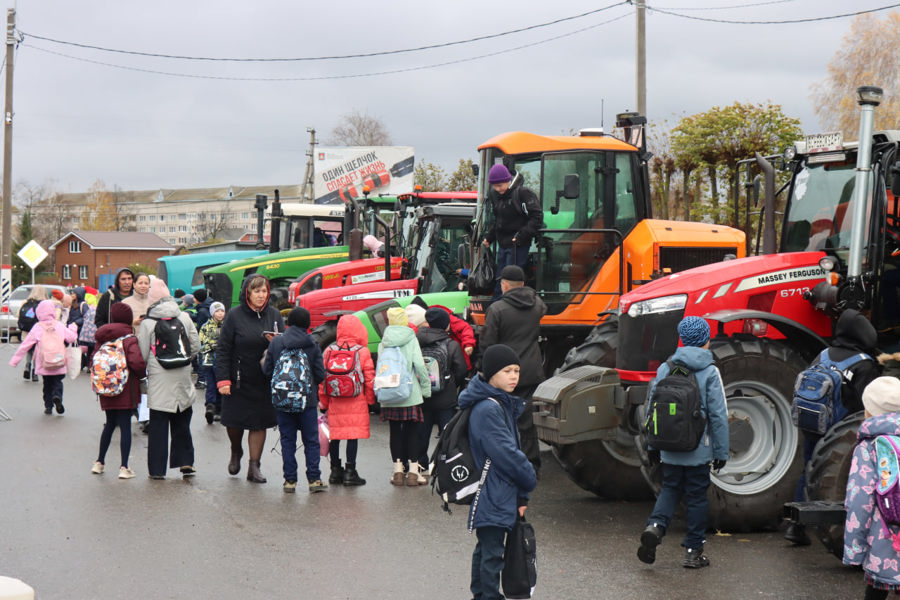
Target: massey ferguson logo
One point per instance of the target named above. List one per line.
(459, 473)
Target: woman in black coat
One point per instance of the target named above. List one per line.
(246, 394)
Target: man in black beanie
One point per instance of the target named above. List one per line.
(203, 303)
(515, 320)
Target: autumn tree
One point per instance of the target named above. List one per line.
(358, 128)
(100, 209)
(463, 178)
(869, 55)
(429, 177)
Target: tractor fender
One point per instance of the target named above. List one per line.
(804, 340)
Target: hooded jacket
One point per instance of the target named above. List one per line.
(202, 314)
(110, 297)
(853, 333)
(517, 214)
(493, 433)
(137, 366)
(462, 332)
(714, 444)
(168, 390)
(456, 359)
(404, 337)
(864, 540)
(515, 320)
(348, 418)
(296, 337)
(46, 316)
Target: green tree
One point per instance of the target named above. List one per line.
(142, 268)
(429, 177)
(463, 178)
(869, 55)
(21, 273)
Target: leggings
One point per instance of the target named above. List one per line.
(120, 418)
(405, 441)
(875, 594)
(334, 448)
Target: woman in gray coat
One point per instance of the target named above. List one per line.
(170, 391)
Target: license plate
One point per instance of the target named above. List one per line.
(825, 142)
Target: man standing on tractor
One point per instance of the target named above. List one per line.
(517, 218)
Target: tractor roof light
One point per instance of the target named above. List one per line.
(790, 152)
(869, 95)
(827, 263)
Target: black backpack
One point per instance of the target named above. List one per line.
(172, 347)
(676, 420)
(437, 363)
(27, 316)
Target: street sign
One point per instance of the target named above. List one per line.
(32, 254)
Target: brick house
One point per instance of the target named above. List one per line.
(83, 256)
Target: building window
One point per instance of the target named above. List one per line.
(182, 240)
(83, 272)
(74, 246)
(152, 217)
(182, 228)
(162, 217)
(67, 272)
(245, 216)
(153, 230)
(171, 229)
(182, 216)
(142, 218)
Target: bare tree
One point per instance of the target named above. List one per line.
(358, 128)
(213, 223)
(123, 213)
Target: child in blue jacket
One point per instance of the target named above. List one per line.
(686, 474)
(493, 433)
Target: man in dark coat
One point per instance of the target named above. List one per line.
(517, 218)
(123, 287)
(515, 320)
(203, 303)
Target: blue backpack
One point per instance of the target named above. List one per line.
(291, 381)
(817, 405)
(393, 377)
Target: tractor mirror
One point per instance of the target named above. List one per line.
(475, 170)
(462, 255)
(571, 186)
(895, 181)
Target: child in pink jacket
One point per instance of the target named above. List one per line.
(53, 377)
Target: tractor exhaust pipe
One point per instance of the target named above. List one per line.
(868, 97)
(769, 246)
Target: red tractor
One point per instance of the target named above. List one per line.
(771, 315)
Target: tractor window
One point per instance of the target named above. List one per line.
(443, 271)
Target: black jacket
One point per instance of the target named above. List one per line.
(446, 398)
(109, 297)
(295, 337)
(853, 333)
(517, 214)
(201, 316)
(515, 320)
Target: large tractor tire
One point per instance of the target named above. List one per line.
(325, 334)
(765, 460)
(610, 469)
(827, 473)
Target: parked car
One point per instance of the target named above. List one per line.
(9, 311)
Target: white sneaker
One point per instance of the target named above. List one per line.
(97, 469)
(125, 473)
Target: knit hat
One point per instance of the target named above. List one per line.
(57, 294)
(512, 273)
(415, 314)
(188, 299)
(121, 313)
(158, 291)
(437, 318)
(496, 358)
(882, 396)
(200, 295)
(298, 317)
(693, 331)
(215, 306)
(498, 174)
(397, 316)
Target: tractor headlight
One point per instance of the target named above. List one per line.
(657, 305)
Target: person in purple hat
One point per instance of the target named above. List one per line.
(517, 219)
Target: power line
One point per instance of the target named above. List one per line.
(733, 6)
(330, 77)
(785, 22)
(334, 57)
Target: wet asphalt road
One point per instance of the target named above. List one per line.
(74, 535)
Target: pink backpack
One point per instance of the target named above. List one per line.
(52, 349)
(343, 371)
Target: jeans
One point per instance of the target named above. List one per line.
(516, 255)
(487, 562)
(692, 483)
(181, 452)
(307, 423)
(212, 392)
(53, 388)
(439, 417)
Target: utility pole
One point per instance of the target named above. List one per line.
(640, 12)
(6, 253)
(307, 192)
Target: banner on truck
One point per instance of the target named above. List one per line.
(341, 172)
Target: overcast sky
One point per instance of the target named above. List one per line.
(78, 121)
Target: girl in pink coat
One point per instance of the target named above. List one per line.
(53, 376)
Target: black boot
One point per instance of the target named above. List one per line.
(351, 477)
(253, 472)
(650, 539)
(796, 534)
(337, 473)
(234, 464)
(694, 558)
(210, 413)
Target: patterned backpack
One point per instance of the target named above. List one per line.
(343, 371)
(109, 368)
(887, 489)
(89, 328)
(291, 381)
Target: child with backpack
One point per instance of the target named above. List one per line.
(294, 364)
(117, 368)
(446, 364)
(48, 337)
(510, 478)
(401, 382)
(26, 320)
(346, 393)
(689, 396)
(871, 529)
(209, 338)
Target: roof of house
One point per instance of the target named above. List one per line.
(234, 192)
(118, 240)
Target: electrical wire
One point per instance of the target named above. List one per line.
(334, 57)
(733, 6)
(331, 77)
(785, 22)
